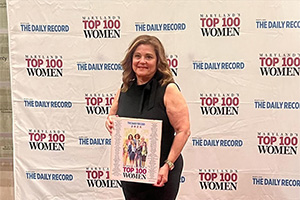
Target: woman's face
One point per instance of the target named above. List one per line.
(144, 63)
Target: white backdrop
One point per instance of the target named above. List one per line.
(237, 64)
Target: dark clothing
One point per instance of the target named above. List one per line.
(131, 152)
(147, 102)
(142, 191)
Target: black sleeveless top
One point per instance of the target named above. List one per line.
(147, 102)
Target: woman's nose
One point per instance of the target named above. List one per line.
(143, 60)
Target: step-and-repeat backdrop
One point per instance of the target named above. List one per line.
(237, 64)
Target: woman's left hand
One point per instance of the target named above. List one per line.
(162, 176)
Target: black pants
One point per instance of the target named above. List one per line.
(142, 191)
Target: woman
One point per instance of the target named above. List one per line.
(131, 152)
(144, 153)
(126, 151)
(138, 151)
(149, 92)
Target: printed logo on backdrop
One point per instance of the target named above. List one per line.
(31, 103)
(173, 62)
(98, 177)
(218, 179)
(97, 27)
(220, 25)
(46, 140)
(277, 24)
(44, 65)
(89, 141)
(216, 66)
(204, 142)
(276, 105)
(182, 179)
(213, 104)
(277, 182)
(159, 27)
(106, 66)
(274, 143)
(44, 28)
(33, 175)
(98, 104)
(279, 64)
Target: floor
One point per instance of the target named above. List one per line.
(6, 177)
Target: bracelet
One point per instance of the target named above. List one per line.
(170, 164)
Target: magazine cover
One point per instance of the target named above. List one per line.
(135, 149)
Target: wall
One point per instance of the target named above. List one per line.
(6, 145)
(237, 64)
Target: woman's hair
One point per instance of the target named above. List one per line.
(137, 135)
(162, 63)
(130, 136)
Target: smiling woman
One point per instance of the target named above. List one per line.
(144, 63)
(149, 92)
(162, 65)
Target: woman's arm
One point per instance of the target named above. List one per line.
(177, 111)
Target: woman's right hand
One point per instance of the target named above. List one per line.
(112, 113)
(109, 123)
